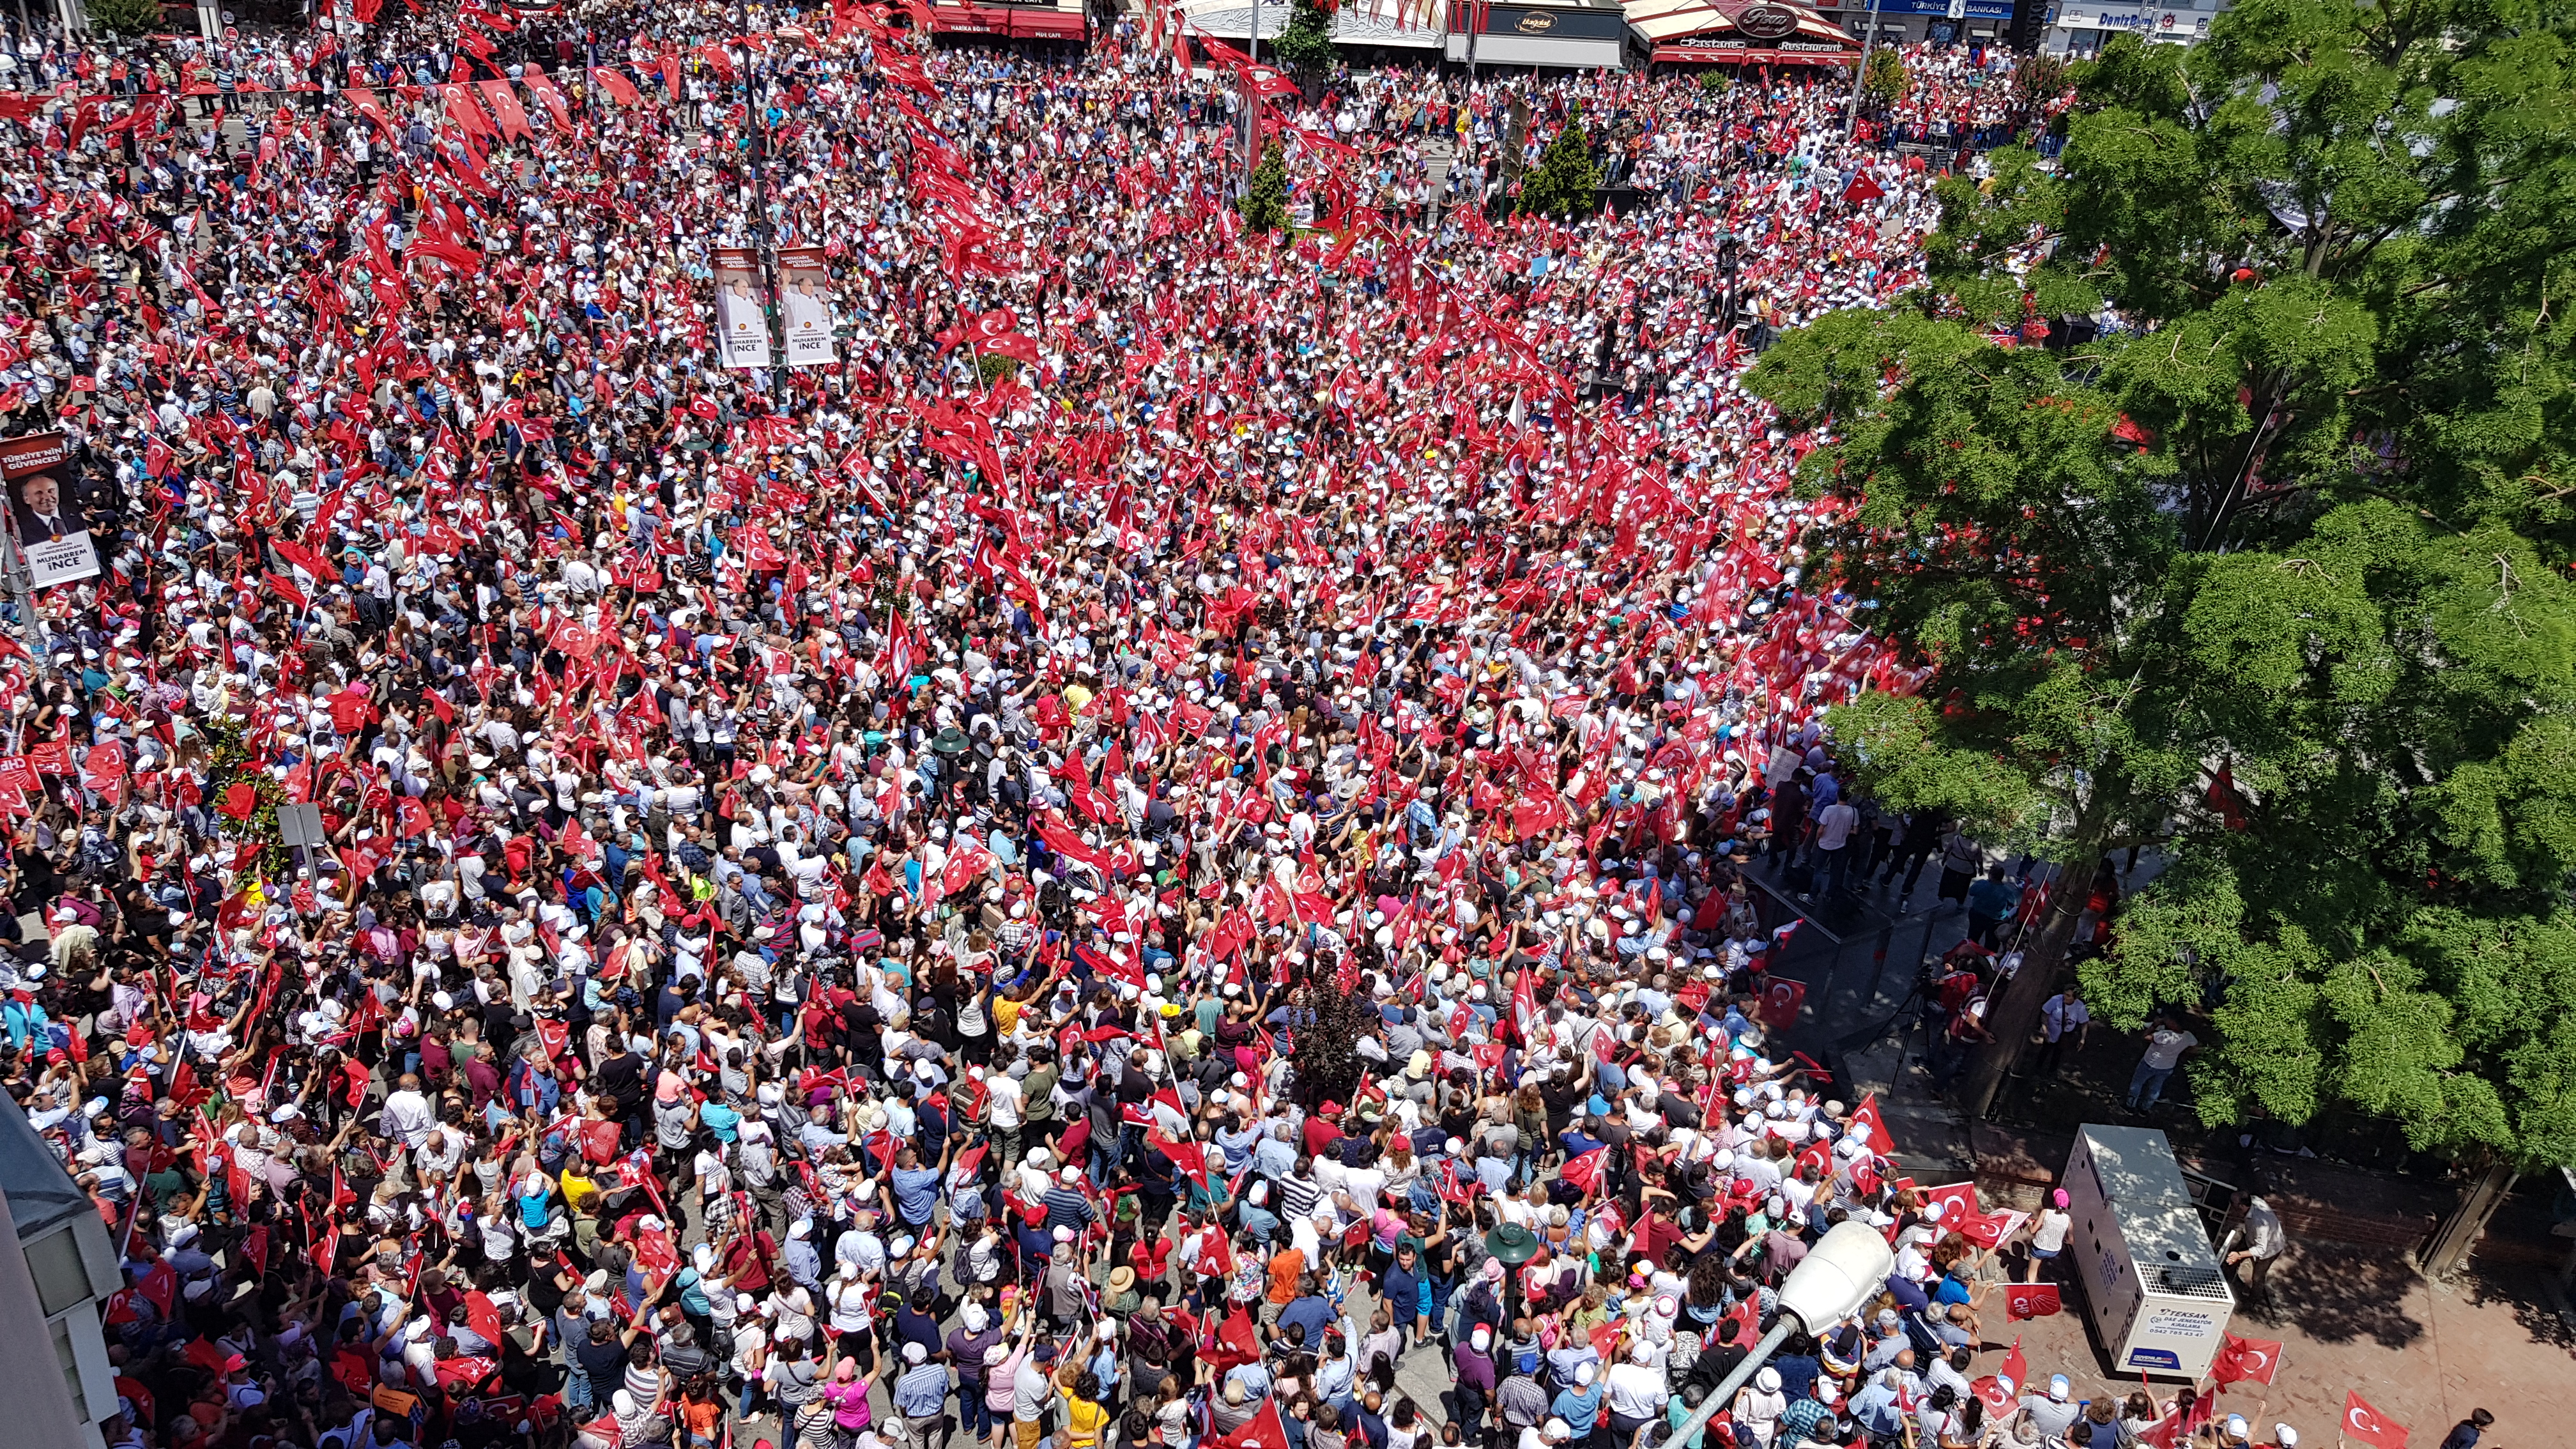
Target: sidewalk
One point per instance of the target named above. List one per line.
(2350, 1310)
(2352, 1318)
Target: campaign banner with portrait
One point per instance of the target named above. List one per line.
(742, 324)
(44, 509)
(805, 305)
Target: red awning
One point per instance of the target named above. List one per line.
(1046, 24)
(1739, 55)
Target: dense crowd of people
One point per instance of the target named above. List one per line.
(1053, 877)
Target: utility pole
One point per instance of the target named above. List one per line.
(763, 235)
(1860, 70)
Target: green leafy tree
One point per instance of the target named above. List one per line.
(123, 17)
(1307, 42)
(1565, 181)
(1884, 82)
(2037, 81)
(1265, 197)
(1325, 1048)
(2274, 571)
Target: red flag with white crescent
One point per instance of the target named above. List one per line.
(2361, 1421)
(2244, 1359)
(2001, 1389)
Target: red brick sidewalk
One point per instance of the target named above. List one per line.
(2354, 1318)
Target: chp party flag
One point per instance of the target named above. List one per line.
(2245, 1359)
(2031, 1300)
(1264, 1432)
(2362, 1422)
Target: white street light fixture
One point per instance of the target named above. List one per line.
(1844, 1270)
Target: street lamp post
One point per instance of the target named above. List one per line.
(1837, 1276)
(1860, 72)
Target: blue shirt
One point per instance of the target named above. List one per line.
(1065, 1208)
(1312, 1313)
(922, 1392)
(1992, 899)
(1401, 1290)
(916, 1192)
(1578, 1408)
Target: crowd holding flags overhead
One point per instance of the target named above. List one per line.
(858, 759)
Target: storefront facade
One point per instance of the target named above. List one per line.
(1566, 37)
(1737, 32)
(2083, 27)
(1010, 20)
(1946, 22)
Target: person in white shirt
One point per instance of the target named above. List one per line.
(2059, 1015)
(1637, 1392)
(1759, 1405)
(407, 1117)
(2048, 1234)
(2166, 1044)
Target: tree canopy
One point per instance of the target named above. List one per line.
(1565, 180)
(1306, 43)
(2272, 569)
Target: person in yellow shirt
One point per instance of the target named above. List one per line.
(1084, 1416)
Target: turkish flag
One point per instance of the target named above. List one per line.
(1189, 1157)
(2246, 1358)
(1234, 1345)
(2031, 1300)
(1991, 1231)
(1863, 190)
(1264, 1432)
(160, 1286)
(1866, 1125)
(2002, 1389)
(1780, 1004)
(1585, 1171)
(2361, 1421)
(1950, 1206)
(1747, 1317)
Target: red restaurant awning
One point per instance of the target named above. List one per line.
(1747, 55)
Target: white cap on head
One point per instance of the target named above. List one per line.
(914, 1353)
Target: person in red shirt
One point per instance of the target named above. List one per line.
(1321, 1131)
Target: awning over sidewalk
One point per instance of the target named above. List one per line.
(1355, 22)
(1739, 32)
